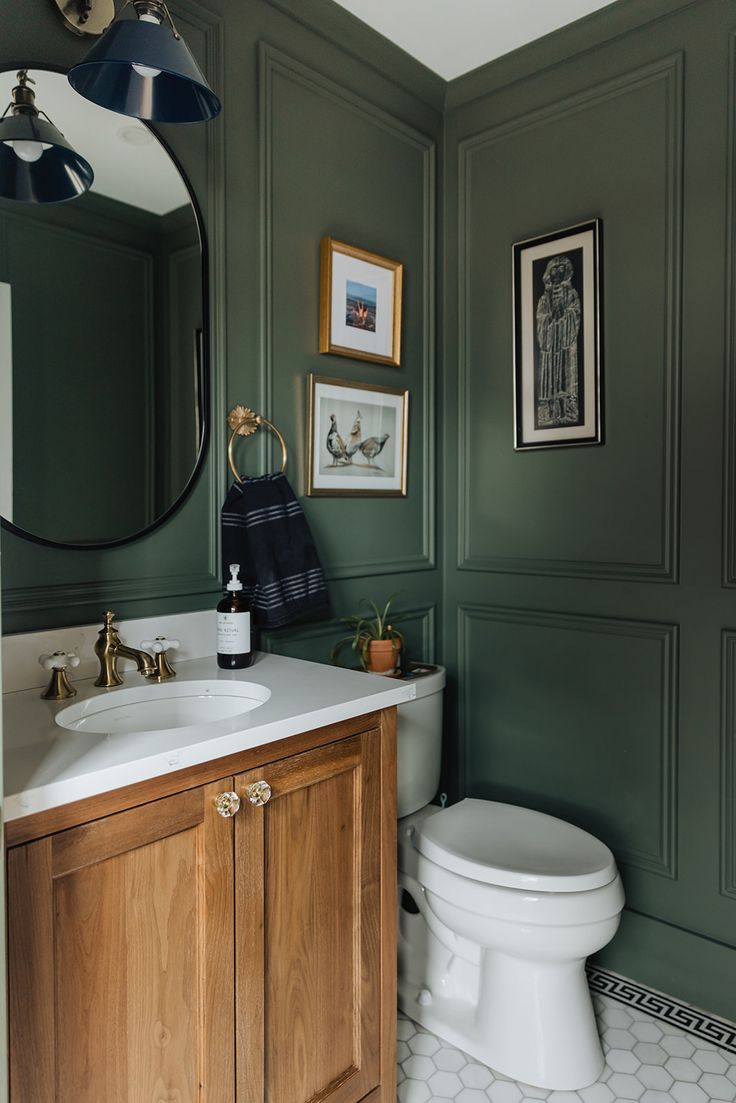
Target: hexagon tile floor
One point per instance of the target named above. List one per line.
(647, 1060)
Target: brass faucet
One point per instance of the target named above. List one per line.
(109, 648)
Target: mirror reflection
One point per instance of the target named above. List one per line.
(101, 352)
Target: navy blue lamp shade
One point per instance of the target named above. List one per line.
(39, 166)
(110, 75)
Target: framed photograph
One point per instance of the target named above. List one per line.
(360, 303)
(557, 338)
(357, 438)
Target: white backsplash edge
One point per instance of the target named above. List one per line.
(196, 633)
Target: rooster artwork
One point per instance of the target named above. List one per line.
(345, 453)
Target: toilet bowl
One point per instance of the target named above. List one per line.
(499, 907)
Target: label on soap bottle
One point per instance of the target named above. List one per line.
(233, 633)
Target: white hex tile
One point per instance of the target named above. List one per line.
(654, 1076)
(622, 1060)
(646, 1062)
(646, 1032)
(530, 1092)
(418, 1068)
(617, 1017)
(683, 1092)
(619, 1039)
(448, 1060)
(424, 1044)
(655, 1097)
(625, 1087)
(710, 1061)
(405, 1029)
(446, 1083)
(717, 1087)
(649, 1053)
(413, 1091)
(503, 1091)
(472, 1095)
(597, 1093)
(682, 1068)
(677, 1045)
(476, 1076)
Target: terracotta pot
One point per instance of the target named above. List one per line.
(382, 656)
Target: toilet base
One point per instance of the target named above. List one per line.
(519, 1037)
(529, 1020)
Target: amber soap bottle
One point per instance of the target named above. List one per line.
(234, 647)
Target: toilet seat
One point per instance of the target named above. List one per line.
(517, 848)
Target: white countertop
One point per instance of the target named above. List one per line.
(47, 765)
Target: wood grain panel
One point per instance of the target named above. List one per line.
(91, 975)
(129, 994)
(308, 903)
(31, 974)
(311, 906)
(103, 839)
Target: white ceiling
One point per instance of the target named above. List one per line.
(454, 36)
(129, 163)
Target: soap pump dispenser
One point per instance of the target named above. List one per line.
(234, 649)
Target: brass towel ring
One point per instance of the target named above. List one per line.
(244, 423)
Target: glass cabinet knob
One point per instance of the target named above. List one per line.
(258, 793)
(227, 804)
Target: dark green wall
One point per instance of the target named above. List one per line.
(589, 592)
(588, 615)
(321, 134)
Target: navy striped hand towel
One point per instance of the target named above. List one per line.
(265, 530)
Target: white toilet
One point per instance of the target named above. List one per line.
(499, 907)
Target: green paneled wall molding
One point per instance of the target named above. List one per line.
(586, 622)
(582, 599)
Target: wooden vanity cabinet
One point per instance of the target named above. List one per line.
(165, 954)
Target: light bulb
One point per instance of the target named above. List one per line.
(27, 150)
(146, 70)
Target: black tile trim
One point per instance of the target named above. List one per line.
(718, 1031)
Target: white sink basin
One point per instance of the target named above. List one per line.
(162, 707)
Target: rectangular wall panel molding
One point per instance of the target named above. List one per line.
(488, 535)
(577, 716)
(350, 561)
(729, 405)
(728, 765)
(314, 642)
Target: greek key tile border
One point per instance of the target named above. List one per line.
(719, 1032)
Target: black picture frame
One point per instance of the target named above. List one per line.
(557, 338)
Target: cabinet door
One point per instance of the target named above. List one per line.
(121, 958)
(308, 908)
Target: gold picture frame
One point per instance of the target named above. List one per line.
(351, 425)
(360, 303)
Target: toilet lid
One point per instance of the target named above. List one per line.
(515, 848)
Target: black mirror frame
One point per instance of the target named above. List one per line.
(205, 373)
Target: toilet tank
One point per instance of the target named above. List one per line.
(419, 739)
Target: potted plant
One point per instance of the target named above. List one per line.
(372, 637)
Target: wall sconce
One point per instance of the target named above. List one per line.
(142, 67)
(37, 164)
(87, 16)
